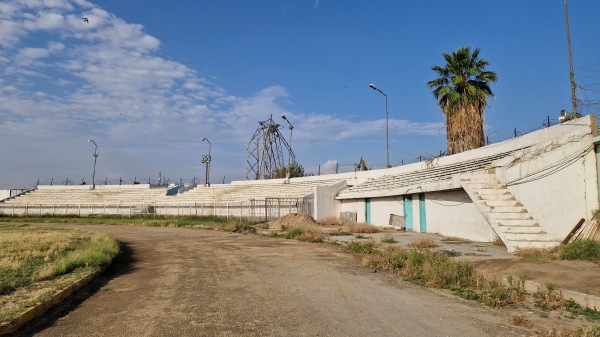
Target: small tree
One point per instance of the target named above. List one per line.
(296, 170)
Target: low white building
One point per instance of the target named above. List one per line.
(529, 191)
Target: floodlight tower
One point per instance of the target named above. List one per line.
(265, 151)
(95, 157)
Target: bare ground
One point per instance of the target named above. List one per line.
(184, 282)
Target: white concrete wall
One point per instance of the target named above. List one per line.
(452, 213)
(4, 194)
(353, 205)
(381, 208)
(324, 196)
(556, 190)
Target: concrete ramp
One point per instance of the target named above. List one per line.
(508, 217)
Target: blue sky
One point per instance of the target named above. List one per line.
(147, 80)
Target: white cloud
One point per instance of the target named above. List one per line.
(105, 80)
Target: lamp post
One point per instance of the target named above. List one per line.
(206, 159)
(95, 157)
(290, 151)
(387, 143)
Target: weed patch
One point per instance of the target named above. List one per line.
(304, 233)
(588, 250)
(548, 299)
(576, 309)
(520, 320)
(331, 221)
(364, 247)
(388, 238)
(35, 262)
(537, 254)
(423, 244)
(361, 227)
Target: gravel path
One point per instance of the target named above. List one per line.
(184, 282)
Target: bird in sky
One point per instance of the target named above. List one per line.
(86, 20)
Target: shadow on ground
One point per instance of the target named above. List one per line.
(121, 265)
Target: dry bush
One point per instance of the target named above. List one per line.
(561, 332)
(309, 233)
(548, 299)
(361, 227)
(423, 244)
(388, 238)
(498, 242)
(453, 239)
(331, 221)
(312, 234)
(537, 254)
(520, 320)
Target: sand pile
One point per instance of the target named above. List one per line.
(293, 219)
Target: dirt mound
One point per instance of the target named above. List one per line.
(293, 219)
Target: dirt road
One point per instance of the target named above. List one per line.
(184, 282)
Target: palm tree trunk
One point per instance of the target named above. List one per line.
(464, 129)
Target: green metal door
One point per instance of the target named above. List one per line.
(422, 219)
(408, 213)
(367, 210)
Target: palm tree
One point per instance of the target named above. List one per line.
(462, 90)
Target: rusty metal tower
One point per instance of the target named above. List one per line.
(266, 149)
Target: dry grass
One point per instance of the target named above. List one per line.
(453, 239)
(520, 320)
(498, 242)
(35, 262)
(549, 298)
(561, 332)
(537, 254)
(423, 244)
(331, 221)
(361, 227)
(309, 233)
(388, 238)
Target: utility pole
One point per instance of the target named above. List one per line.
(572, 73)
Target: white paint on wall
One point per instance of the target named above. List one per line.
(381, 208)
(556, 182)
(325, 205)
(452, 213)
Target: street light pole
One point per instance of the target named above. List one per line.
(387, 143)
(290, 151)
(95, 158)
(207, 161)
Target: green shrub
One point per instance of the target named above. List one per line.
(581, 250)
(388, 238)
(294, 232)
(367, 247)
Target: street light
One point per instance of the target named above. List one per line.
(290, 151)
(95, 157)
(206, 159)
(387, 143)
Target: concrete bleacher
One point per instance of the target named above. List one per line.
(144, 194)
(401, 183)
(258, 190)
(84, 195)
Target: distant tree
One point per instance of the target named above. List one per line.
(462, 90)
(296, 170)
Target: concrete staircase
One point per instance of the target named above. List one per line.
(507, 216)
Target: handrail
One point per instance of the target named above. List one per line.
(18, 194)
